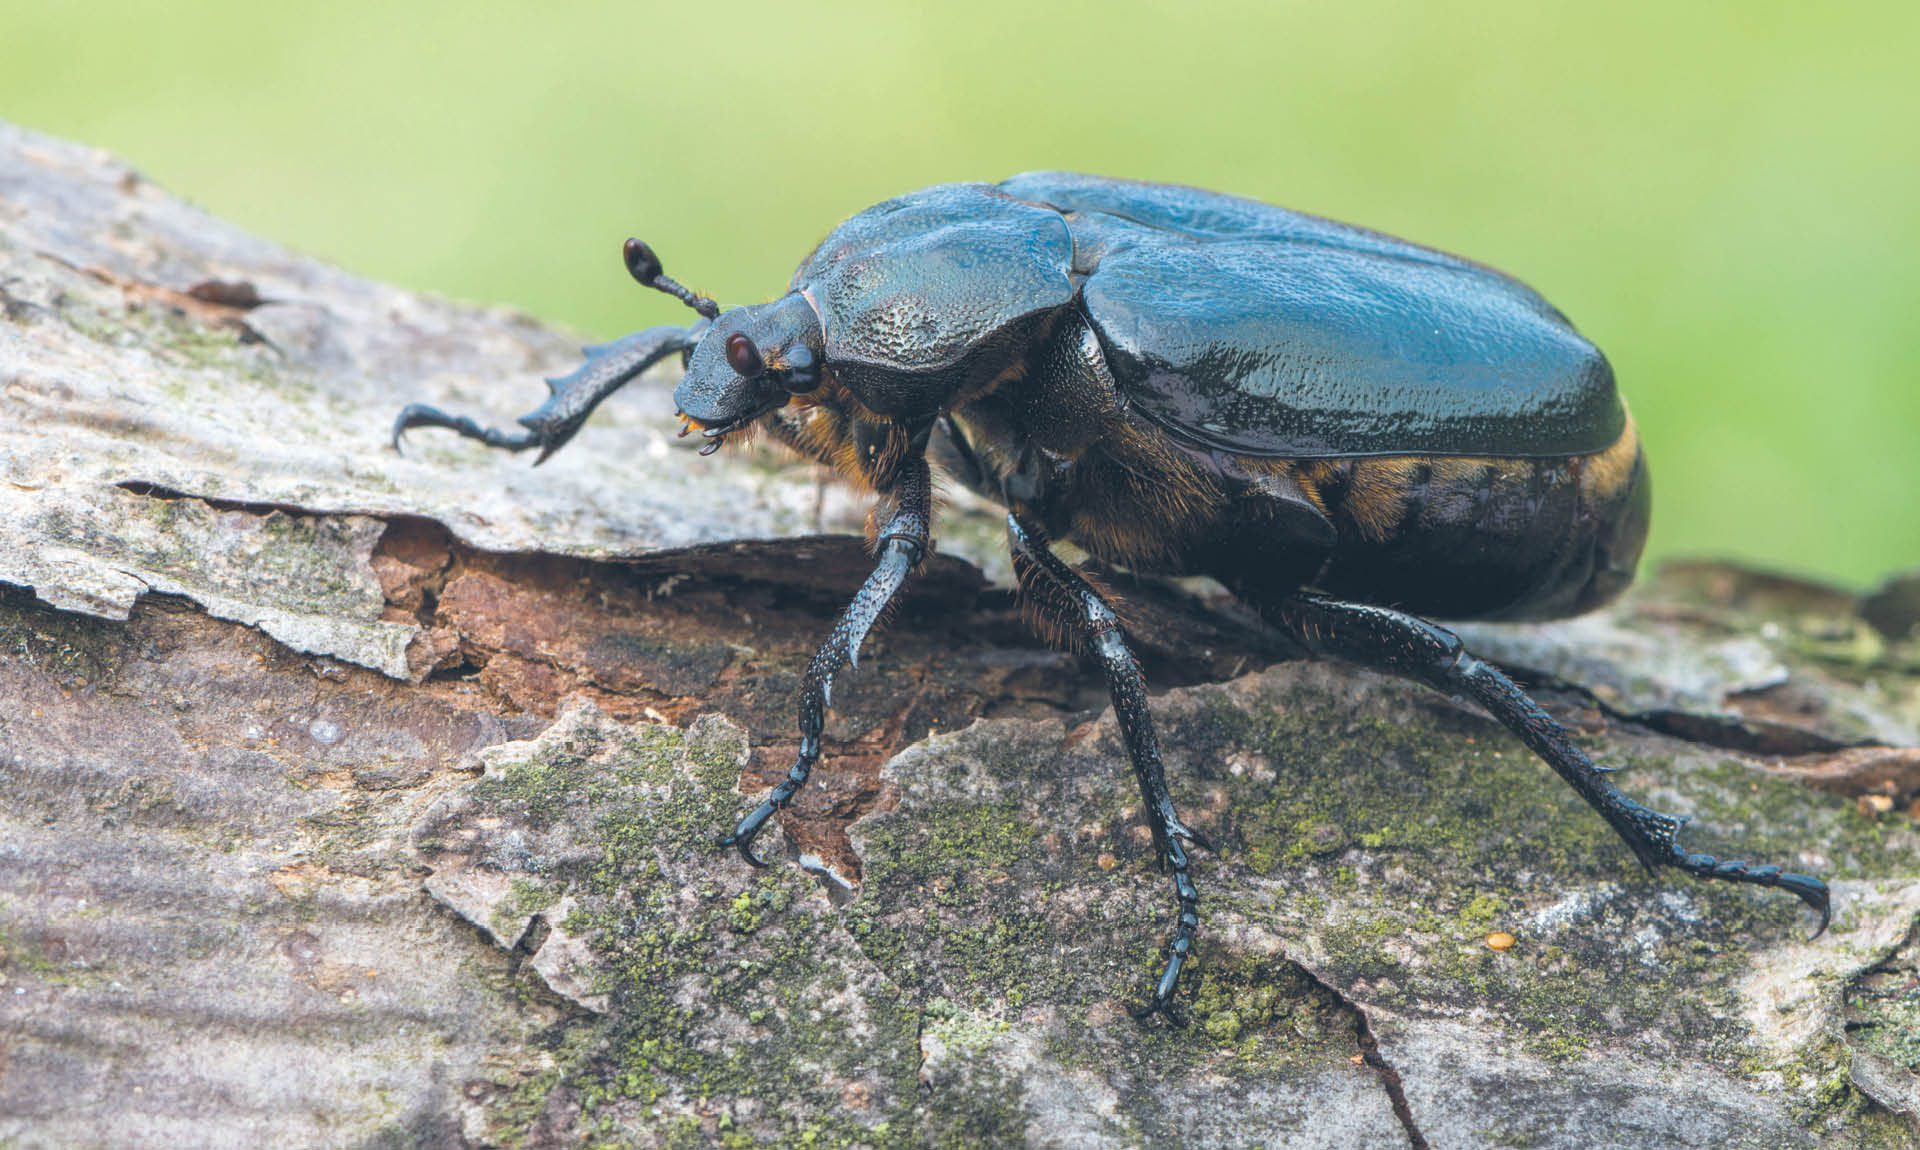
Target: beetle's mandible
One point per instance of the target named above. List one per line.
(1347, 430)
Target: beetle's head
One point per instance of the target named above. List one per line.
(751, 361)
(748, 362)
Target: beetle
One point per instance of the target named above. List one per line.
(1350, 431)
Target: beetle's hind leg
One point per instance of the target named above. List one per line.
(902, 545)
(1070, 605)
(573, 397)
(1412, 648)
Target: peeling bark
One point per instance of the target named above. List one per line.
(366, 798)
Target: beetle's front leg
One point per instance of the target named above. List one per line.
(902, 545)
(1067, 602)
(572, 397)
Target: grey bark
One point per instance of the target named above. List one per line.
(360, 798)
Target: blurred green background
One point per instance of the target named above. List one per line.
(1724, 196)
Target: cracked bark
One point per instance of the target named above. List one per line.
(386, 786)
(1370, 1054)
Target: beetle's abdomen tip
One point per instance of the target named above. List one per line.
(1626, 504)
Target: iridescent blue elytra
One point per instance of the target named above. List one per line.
(1229, 322)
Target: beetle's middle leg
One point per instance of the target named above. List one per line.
(902, 545)
(1412, 648)
(1068, 602)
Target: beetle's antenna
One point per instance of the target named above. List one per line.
(644, 266)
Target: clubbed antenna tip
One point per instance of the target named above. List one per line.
(644, 267)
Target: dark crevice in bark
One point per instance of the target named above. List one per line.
(157, 491)
(529, 943)
(1370, 1054)
(1740, 733)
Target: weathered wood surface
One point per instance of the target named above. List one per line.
(354, 798)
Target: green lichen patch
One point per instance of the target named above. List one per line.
(304, 579)
(1454, 832)
(1271, 1014)
(1402, 776)
(241, 555)
(1012, 889)
(974, 1067)
(188, 339)
(718, 979)
(1741, 811)
(990, 869)
(27, 957)
(1883, 1010)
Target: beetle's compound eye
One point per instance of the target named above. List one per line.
(743, 357)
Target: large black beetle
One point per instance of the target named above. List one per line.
(1346, 429)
